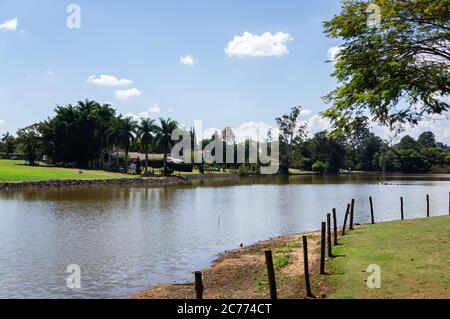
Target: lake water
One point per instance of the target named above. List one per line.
(126, 239)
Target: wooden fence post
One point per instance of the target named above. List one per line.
(352, 211)
(428, 205)
(345, 219)
(371, 210)
(271, 275)
(322, 249)
(198, 285)
(306, 265)
(330, 248)
(335, 235)
(401, 208)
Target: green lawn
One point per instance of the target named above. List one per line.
(17, 171)
(414, 257)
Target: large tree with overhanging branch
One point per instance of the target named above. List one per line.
(392, 69)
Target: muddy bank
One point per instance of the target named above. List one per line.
(150, 181)
(241, 274)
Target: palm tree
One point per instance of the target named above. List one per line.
(86, 113)
(146, 131)
(104, 115)
(164, 137)
(123, 132)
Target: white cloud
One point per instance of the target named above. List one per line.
(155, 109)
(265, 45)
(125, 94)
(317, 124)
(440, 126)
(187, 60)
(50, 72)
(254, 130)
(10, 24)
(333, 54)
(170, 110)
(306, 112)
(108, 80)
(2, 122)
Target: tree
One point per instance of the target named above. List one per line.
(104, 115)
(395, 71)
(164, 137)
(318, 167)
(8, 144)
(427, 139)
(122, 132)
(292, 132)
(29, 140)
(367, 150)
(146, 132)
(86, 111)
(408, 142)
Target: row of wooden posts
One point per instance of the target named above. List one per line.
(326, 241)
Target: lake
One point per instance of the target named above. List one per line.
(126, 239)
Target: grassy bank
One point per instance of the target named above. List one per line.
(414, 257)
(17, 171)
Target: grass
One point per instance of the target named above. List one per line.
(17, 171)
(414, 257)
(282, 257)
(294, 171)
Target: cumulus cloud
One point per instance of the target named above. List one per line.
(316, 124)
(265, 45)
(108, 80)
(333, 54)
(256, 131)
(10, 24)
(125, 94)
(155, 109)
(439, 125)
(187, 60)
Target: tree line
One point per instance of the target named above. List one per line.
(83, 133)
(360, 150)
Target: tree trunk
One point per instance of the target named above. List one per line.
(165, 162)
(146, 159)
(126, 158)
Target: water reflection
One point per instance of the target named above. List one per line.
(127, 238)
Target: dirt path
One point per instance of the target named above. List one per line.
(241, 273)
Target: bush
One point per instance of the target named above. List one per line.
(440, 169)
(319, 167)
(248, 169)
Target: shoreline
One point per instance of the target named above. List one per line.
(241, 273)
(73, 183)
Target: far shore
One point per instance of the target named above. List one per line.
(71, 183)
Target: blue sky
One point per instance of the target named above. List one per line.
(44, 63)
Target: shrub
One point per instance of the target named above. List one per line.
(319, 167)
